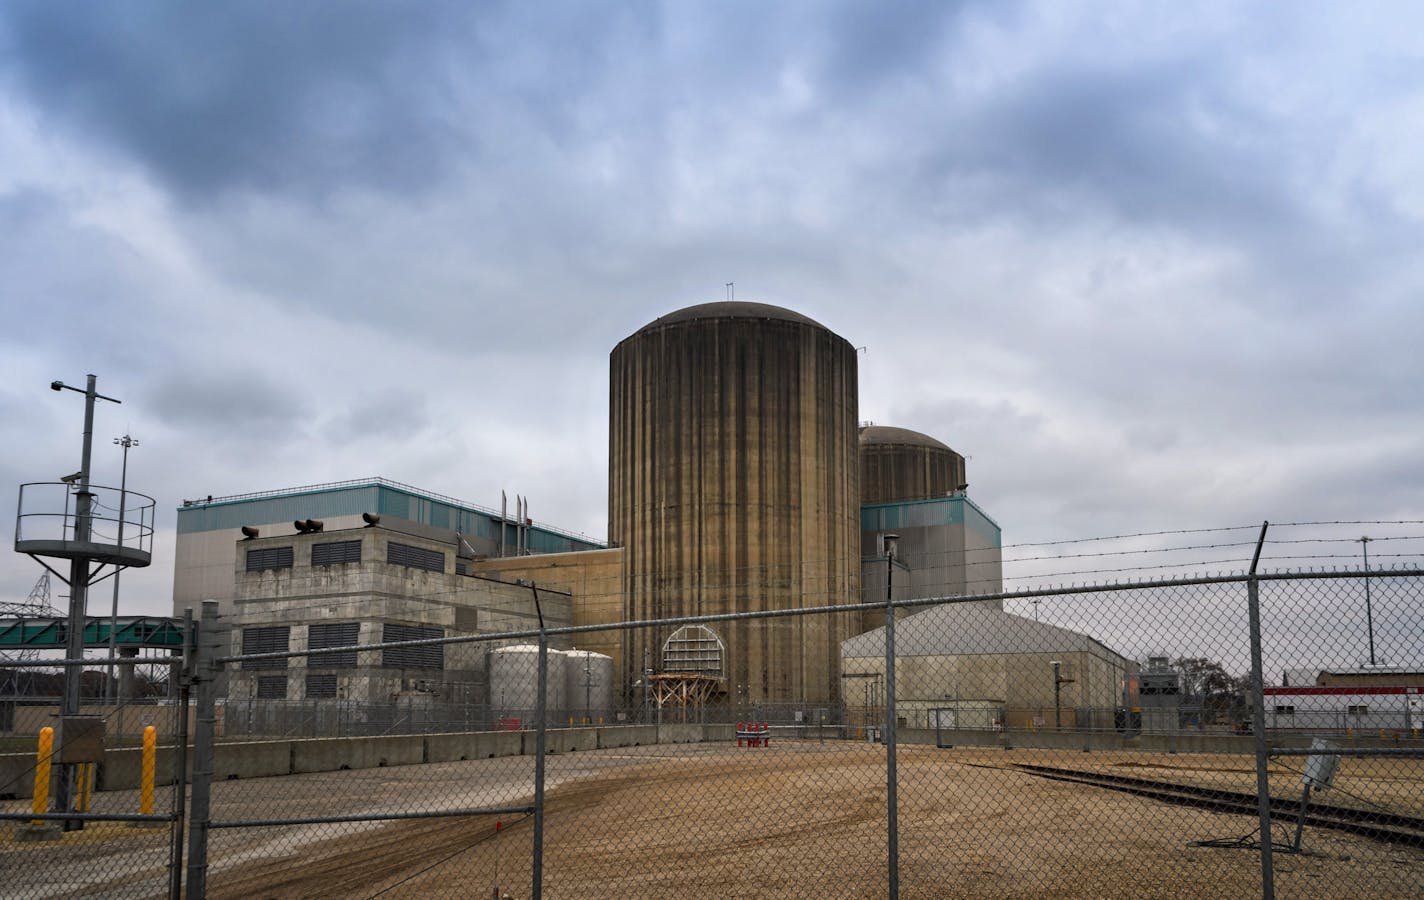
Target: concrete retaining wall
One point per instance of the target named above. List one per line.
(566, 740)
(679, 734)
(627, 736)
(333, 754)
(121, 769)
(474, 745)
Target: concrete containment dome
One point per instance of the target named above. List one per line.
(733, 486)
(898, 464)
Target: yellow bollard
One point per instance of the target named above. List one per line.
(150, 759)
(85, 787)
(42, 762)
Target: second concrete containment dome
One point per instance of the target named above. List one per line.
(733, 486)
(898, 464)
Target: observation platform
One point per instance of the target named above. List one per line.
(51, 632)
(117, 529)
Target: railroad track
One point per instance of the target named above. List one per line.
(1378, 825)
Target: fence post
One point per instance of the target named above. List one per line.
(540, 715)
(1258, 724)
(892, 800)
(182, 675)
(205, 676)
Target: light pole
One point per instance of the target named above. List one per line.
(1369, 611)
(126, 442)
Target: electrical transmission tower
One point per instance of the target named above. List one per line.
(16, 682)
(36, 606)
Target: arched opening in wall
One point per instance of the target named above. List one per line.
(695, 650)
(693, 666)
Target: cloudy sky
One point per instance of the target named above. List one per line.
(1149, 268)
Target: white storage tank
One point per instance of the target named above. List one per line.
(588, 683)
(514, 682)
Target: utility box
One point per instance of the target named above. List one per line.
(1320, 766)
(81, 739)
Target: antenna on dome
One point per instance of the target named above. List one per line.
(731, 290)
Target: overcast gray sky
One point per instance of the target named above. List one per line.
(1149, 266)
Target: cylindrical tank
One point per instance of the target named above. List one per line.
(733, 486)
(514, 682)
(588, 683)
(898, 464)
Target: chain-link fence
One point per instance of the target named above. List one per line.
(1127, 740)
(93, 801)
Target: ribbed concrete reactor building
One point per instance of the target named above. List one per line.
(899, 464)
(734, 487)
(913, 486)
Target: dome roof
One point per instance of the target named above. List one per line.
(875, 435)
(731, 309)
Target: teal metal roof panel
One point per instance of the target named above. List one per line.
(316, 504)
(376, 495)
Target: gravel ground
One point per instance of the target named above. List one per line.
(795, 820)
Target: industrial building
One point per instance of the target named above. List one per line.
(1368, 698)
(374, 584)
(982, 667)
(913, 486)
(1343, 708)
(970, 664)
(740, 480)
(209, 529)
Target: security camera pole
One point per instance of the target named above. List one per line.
(78, 588)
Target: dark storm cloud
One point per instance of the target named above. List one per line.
(239, 404)
(1144, 268)
(214, 97)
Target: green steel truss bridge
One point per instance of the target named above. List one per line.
(51, 632)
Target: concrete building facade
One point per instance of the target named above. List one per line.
(366, 586)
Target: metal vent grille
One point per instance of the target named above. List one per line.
(267, 639)
(415, 557)
(319, 686)
(333, 634)
(334, 553)
(427, 656)
(269, 558)
(272, 687)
